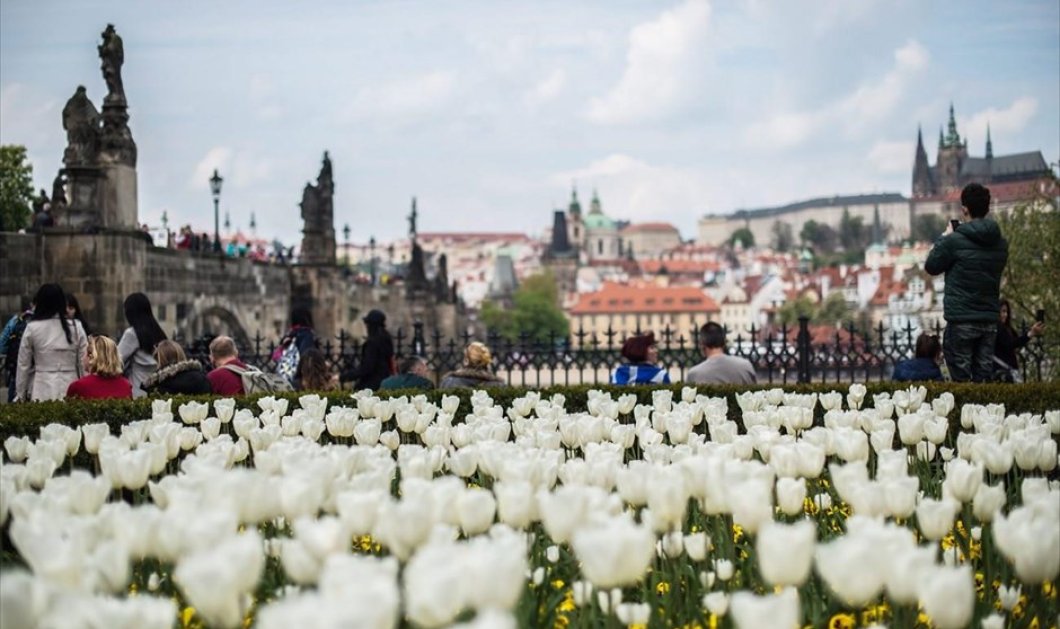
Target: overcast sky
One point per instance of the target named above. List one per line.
(487, 111)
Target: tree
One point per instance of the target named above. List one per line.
(1029, 280)
(928, 227)
(783, 237)
(852, 232)
(744, 236)
(832, 311)
(818, 235)
(535, 311)
(16, 188)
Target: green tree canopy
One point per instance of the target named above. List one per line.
(535, 311)
(852, 232)
(833, 310)
(783, 236)
(819, 236)
(1029, 281)
(928, 227)
(16, 188)
(745, 236)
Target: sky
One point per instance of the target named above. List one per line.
(490, 111)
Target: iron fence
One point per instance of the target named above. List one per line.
(780, 354)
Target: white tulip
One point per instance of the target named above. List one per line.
(696, 545)
(1009, 597)
(716, 603)
(948, 596)
(475, 509)
(750, 611)
(616, 553)
(962, 480)
(724, 569)
(852, 568)
(785, 551)
(791, 494)
(516, 504)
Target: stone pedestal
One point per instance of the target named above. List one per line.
(84, 184)
(118, 196)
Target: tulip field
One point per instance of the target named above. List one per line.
(892, 511)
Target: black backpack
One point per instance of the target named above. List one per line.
(13, 342)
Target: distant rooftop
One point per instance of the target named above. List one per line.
(836, 201)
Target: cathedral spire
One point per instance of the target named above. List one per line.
(989, 144)
(575, 207)
(942, 142)
(953, 139)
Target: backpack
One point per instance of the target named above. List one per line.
(258, 381)
(14, 340)
(287, 363)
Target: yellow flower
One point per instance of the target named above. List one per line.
(558, 584)
(842, 621)
(1049, 589)
(568, 602)
(187, 616)
(663, 587)
(737, 533)
(561, 622)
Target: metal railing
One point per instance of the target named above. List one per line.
(780, 354)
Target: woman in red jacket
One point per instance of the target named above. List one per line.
(104, 379)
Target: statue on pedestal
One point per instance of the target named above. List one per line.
(58, 192)
(82, 124)
(112, 56)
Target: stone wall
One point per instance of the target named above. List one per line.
(19, 270)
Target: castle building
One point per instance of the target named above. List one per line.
(954, 168)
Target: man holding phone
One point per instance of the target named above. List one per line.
(972, 254)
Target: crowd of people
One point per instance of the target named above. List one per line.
(51, 353)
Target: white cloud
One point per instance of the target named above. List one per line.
(660, 66)
(892, 157)
(35, 122)
(413, 96)
(547, 89)
(860, 111)
(218, 158)
(1009, 120)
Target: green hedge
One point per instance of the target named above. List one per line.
(28, 418)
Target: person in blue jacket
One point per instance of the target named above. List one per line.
(924, 365)
(640, 356)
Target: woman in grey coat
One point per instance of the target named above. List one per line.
(49, 357)
(137, 345)
(475, 373)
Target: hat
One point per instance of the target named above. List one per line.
(635, 349)
(374, 317)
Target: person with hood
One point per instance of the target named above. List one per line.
(973, 256)
(377, 355)
(50, 353)
(298, 340)
(640, 355)
(476, 372)
(924, 365)
(137, 344)
(176, 374)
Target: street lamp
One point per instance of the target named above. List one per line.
(215, 189)
(371, 249)
(165, 226)
(346, 233)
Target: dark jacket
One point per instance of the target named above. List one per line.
(916, 370)
(377, 361)
(1006, 344)
(185, 377)
(471, 378)
(406, 381)
(972, 257)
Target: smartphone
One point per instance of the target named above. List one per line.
(1040, 315)
(954, 223)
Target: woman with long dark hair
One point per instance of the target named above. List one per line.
(298, 340)
(377, 355)
(137, 345)
(49, 356)
(1008, 341)
(314, 374)
(73, 311)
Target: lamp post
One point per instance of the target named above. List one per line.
(165, 226)
(371, 253)
(215, 189)
(346, 234)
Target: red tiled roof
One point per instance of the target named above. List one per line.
(464, 236)
(637, 298)
(1008, 192)
(649, 227)
(679, 266)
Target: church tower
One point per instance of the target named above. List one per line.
(575, 225)
(922, 180)
(952, 154)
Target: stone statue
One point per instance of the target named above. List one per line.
(58, 192)
(416, 277)
(441, 279)
(81, 121)
(310, 205)
(112, 56)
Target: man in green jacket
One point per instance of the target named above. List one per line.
(413, 376)
(972, 256)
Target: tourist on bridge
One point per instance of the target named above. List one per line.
(10, 339)
(103, 380)
(1008, 341)
(224, 381)
(377, 355)
(314, 373)
(49, 355)
(924, 365)
(298, 340)
(476, 373)
(73, 311)
(641, 356)
(176, 374)
(137, 344)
